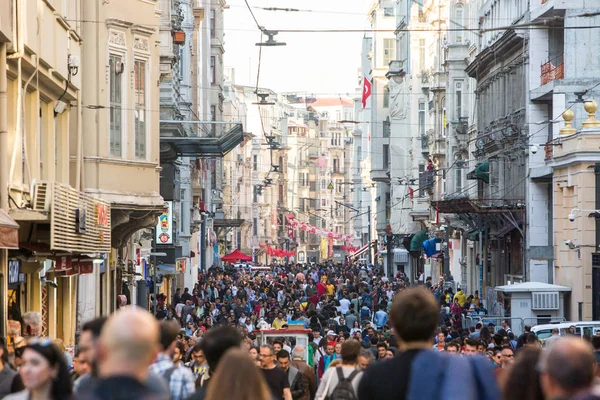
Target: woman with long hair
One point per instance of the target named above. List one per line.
(237, 378)
(44, 373)
(522, 380)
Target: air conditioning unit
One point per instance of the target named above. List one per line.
(545, 301)
(42, 196)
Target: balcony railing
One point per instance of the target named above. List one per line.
(553, 69)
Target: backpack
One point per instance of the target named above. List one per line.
(343, 390)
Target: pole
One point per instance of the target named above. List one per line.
(3, 184)
(203, 243)
(369, 235)
(390, 254)
(154, 286)
(447, 254)
(596, 269)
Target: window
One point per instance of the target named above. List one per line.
(386, 96)
(388, 12)
(458, 93)
(389, 50)
(254, 226)
(386, 127)
(323, 184)
(213, 70)
(255, 162)
(386, 156)
(115, 98)
(459, 21)
(458, 175)
(338, 115)
(421, 54)
(422, 180)
(323, 202)
(422, 118)
(140, 108)
(336, 165)
(212, 23)
(213, 117)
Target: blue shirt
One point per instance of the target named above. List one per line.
(380, 318)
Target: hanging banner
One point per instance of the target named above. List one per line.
(164, 228)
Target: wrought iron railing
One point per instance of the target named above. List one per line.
(553, 69)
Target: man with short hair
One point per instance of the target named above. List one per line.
(471, 346)
(567, 369)
(180, 379)
(475, 335)
(298, 383)
(364, 359)
(298, 361)
(215, 344)
(122, 354)
(414, 315)
(452, 348)
(381, 351)
(346, 372)
(508, 357)
(198, 365)
(275, 377)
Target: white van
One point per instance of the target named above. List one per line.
(582, 328)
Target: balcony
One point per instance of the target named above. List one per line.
(380, 175)
(438, 148)
(552, 69)
(395, 69)
(337, 171)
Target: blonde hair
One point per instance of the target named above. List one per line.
(237, 377)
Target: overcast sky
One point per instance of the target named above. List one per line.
(320, 63)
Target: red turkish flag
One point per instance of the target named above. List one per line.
(366, 91)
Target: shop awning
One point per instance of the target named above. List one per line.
(166, 269)
(416, 244)
(9, 232)
(430, 248)
(473, 236)
(481, 172)
(360, 251)
(400, 255)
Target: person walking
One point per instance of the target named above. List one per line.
(298, 383)
(345, 377)
(276, 378)
(44, 372)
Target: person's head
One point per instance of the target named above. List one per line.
(217, 341)
(441, 338)
(567, 368)
(128, 344)
(90, 332)
(522, 378)
(198, 354)
(470, 347)
(364, 358)
(169, 330)
(44, 366)
(277, 346)
(381, 350)
(33, 324)
(178, 352)
(237, 378)
(452, 348)
(414, 315)
(531, 340)
(337, 348)
(283, 359)
(298, 353)
(267, 356)
(330, 349)
(596, 342)
(351, 350)
(478, 326)
(497, 356)
(508, 357)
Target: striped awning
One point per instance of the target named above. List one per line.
(360, 251)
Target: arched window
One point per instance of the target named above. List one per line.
(386, 96)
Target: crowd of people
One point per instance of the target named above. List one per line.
(362, 336)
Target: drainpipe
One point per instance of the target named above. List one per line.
(595, 301)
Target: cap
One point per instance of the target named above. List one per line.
(330, 333)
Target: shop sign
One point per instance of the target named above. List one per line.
(102, 214)
(164, 228)
(62, 263)
(14, 272)
(180, 265)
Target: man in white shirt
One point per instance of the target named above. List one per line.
(344, 306)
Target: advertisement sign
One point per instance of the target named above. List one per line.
(164, 228)
(14, 267)
(180, 265)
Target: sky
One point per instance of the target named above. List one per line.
(324, 64)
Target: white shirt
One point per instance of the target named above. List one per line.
(344, 306)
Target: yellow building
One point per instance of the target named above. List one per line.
(575, 181)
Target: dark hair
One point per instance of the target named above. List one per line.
(531, 338)
(414, 314)
(169, 330)
(472, 342)
(61, 385)
(596, 342)
(478, 325)
(283, 354)
(523, 379)
(181, 348)
(217, 341)
(382, 344)
(94, 326)
(197, 347)
(350, 351)
(452, 344)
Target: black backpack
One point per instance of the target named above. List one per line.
(343, 390)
